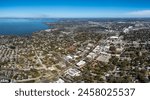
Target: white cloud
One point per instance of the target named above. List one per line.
(141, 13)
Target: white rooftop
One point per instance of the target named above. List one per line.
(114, 37)
(73, 72)
(69, 57)
(60, 81)
(81, 63)
(48, 30)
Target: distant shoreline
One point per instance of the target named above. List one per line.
(23, 26)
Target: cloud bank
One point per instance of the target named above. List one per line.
(140, 13)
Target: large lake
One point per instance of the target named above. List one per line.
(17, 26)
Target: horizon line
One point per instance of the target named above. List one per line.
(68, 17)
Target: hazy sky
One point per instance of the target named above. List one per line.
(74, 8)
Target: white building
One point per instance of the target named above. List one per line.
(97, 49)
(69, 57)
(104, 57)
(73, 72)
(59, 81)
(91, 56)
(114, 37)
(81, 63)
(48, 30)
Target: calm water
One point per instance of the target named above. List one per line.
(22, 26)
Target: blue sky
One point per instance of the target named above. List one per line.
(74, 8)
